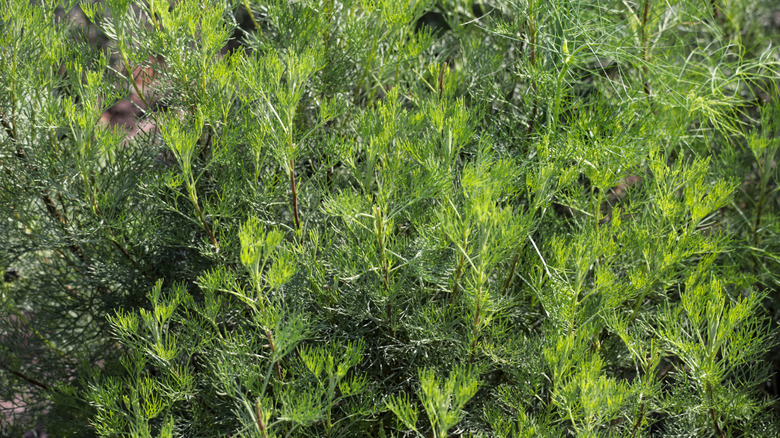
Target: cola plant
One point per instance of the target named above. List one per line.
(389, 218)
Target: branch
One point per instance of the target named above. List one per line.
(26, 378)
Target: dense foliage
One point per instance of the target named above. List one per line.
(390, 218)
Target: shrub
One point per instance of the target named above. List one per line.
(385, 218)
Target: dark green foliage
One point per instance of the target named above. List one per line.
(390, 218)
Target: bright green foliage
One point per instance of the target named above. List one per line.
(391, 218)
(442, 405)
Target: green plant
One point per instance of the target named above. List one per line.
(567, 208)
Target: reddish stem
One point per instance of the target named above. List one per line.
(273, 350)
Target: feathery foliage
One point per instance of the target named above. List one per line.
(390, 218)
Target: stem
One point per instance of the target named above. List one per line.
(638, 302)
(597, 201)
(365, 72)
(51, 207)
(511, 272)
(475, 330)
(760, 208)
(193, 194)
(331, 397)
(385, 266)
(458, 273)
(644, 46)
(643, 294)
(131, 78)
(75, 249)
(9, 129)
(260, 423)
(194, 200)
(442, 71)
(535, 110)
(640, 417)
(712, 412)
(273, 351)
(758, 219)
(715, 8)
(26, 378)
(385, 272)
(294, 196)
(328, 20)
(116, 243)
(153, 16)
(55, 213)
(389, 313)
(251, 16)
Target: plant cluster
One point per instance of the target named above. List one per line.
(382, 218)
